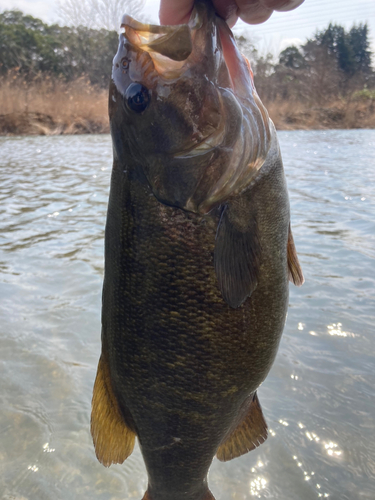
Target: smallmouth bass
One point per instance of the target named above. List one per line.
(198, 252)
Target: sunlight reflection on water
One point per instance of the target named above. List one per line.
(319, 397)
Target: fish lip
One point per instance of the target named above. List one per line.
(169, 46)
(195, 22)
(173, 42)
(163, 30)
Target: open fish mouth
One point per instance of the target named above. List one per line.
(174, 42)
(168, 46)
(202, 108)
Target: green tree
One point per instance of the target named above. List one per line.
(89, 52)
(359, 42)
(291, 57)
(335, 42)
(27, 43)
(33, 47)
(349, 50)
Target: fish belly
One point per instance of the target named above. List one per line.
(182, 362)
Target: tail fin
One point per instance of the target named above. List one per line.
(207, 496)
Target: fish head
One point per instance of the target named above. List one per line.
(183, 109)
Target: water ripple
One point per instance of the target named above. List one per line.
(319, 397)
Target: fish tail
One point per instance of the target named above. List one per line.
(207, 496)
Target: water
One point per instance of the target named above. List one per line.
(319, 397)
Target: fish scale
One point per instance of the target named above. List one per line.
(194, 303)
(175, 349)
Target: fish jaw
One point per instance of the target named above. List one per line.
(173, 42)
(205, 133)
(168, 47)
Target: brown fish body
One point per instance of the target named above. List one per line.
(183, 348)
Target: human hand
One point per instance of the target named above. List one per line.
(250, 11)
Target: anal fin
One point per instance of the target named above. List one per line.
(113, 438)
(294, 267)
(248, 435)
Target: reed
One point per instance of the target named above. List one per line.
(49, 106)
(338, 114)
(44, 105)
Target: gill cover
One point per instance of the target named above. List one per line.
(191, 118)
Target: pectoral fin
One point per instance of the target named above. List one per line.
(248, 435)
(113, 438)
(237, 255)
(294, 267)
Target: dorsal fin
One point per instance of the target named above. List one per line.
(112, 436)
(248, 435)
(294, 267)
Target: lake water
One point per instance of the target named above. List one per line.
(319, 397)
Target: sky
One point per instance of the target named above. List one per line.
(281, 30)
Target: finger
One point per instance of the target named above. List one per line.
(225, 8)
(282, 5)
(231, 20)
(175, 11)
(253, 12)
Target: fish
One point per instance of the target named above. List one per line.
(198, 255)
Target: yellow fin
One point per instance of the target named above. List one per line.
(113, 439)
(248, 435)
(294, 267)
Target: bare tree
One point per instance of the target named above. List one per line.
(98, 14)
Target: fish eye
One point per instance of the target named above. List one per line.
(137, 97)
(125, 63)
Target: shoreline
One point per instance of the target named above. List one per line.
(36, 123)
(285, 115)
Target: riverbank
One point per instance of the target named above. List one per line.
(341, 114)
(54, 107)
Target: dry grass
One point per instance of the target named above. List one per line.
(52, 106)
(340, 114)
